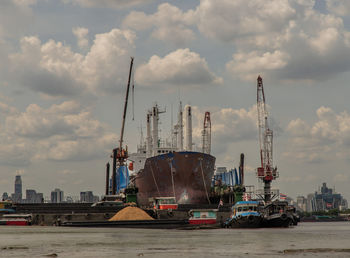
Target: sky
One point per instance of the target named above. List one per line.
(64, 68)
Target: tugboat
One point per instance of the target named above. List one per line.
(278, 214)
(245, 214)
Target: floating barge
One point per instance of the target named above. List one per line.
(162, 224)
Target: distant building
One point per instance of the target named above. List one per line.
(88, 196)
(309, 199)
(5, 196)
(17, 195)
(57, 196)
(344, 205)
(33, 197)
(323, 200)
(69, 199)
(289, 200)
(96, 198)
(301, 203)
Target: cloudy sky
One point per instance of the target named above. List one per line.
(64, 67)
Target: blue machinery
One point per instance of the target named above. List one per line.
(229, 178)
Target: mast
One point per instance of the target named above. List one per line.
(149, 137)
(155, 129)
(188, 128)
(180, 135)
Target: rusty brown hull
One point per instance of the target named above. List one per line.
(185, 175)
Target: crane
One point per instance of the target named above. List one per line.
(266, 172)
(206, 134)
(120, 154)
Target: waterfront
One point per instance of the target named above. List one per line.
(39, 241)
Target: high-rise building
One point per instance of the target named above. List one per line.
(17, 195)
(33, 197)
(301, 203)
(57, 196)
(87, 196)
(309, 202)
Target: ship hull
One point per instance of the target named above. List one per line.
(185, 175)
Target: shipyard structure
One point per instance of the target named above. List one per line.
(171, 167)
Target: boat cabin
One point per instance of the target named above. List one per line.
(244, 208)
(164, 203)
(277, 207)
(203, 216)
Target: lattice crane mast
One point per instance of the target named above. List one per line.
(266, 172)
(206, 134)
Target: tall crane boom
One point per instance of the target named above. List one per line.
(120, 154)
(125, 105)
(266, 172)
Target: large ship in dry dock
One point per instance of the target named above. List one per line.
(170, 169)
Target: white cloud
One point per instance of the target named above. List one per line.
(54, 69)
(240, 19)
(228, 126)
(326, 139)
(291, 40)
(108, 3)
(284, 39)
(169, 22)
(248, 65)
(61, 132)
(81, 34)
(181, 68)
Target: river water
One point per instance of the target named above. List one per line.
(327, 239)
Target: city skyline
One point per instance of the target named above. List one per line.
(65, 67)
(32, 196)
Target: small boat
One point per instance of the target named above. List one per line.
(203, 217)
(245, 214)
(16, 220)
(278, 214)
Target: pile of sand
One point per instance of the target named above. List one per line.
(131, 213)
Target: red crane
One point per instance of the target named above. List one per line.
(266, 172)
